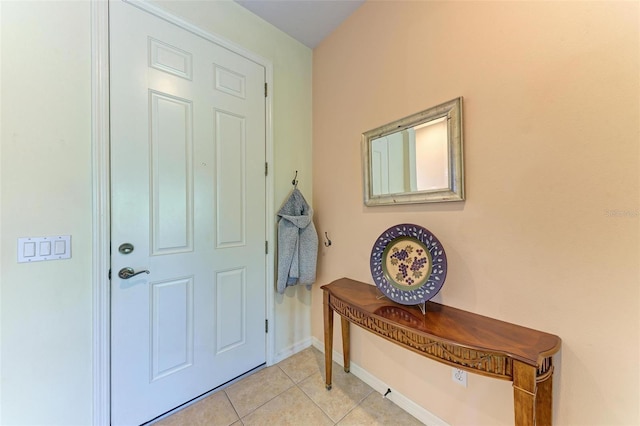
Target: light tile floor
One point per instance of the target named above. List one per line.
(293, 393)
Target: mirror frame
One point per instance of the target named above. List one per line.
(455, 191)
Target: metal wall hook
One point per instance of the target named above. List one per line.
(294, 182)
(328, 242)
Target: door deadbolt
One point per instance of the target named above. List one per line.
(125, 248)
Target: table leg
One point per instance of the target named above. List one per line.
(328, 339)
(346, 351)
(524, 393)
(544, 400)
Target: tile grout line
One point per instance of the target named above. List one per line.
(327, 414)
(356, 406)
(232, 406)
(297, 384)
(266, 402)
(315, 403)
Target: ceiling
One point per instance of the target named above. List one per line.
(308, 21)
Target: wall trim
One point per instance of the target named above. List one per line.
(157, 11)
(270, 219)
(100, 144)
(420, 413)
(101, 413)
(292, 350)
(0, 211)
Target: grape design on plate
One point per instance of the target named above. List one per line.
(408, 264)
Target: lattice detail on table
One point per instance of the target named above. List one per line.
(485, 363)
(545, 369)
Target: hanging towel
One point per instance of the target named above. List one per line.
(297, 243)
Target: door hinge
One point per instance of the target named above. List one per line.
(265, 90)
(109, 274)
(266, 247)
(266, 326)
(266, 169)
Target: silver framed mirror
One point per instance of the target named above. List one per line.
(417, 159)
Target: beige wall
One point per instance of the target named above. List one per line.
(549, 234)
(45, 178)
(45, 189)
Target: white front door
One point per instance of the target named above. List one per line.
(188, 205)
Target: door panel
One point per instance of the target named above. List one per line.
(188, 191)
(230, 171)
(171, 326)
(230, 312)
(171, 174)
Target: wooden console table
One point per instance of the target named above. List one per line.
(452, 336)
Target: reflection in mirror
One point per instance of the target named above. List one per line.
(416, 159)
(413, 159)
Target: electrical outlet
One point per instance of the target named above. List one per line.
(459, 376)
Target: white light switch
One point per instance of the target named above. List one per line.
(45, 248)
(29, 249)
(35, 249)
(60, 247)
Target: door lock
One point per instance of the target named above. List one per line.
(125, 248)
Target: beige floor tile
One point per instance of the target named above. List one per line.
(376, 410)
(253, 391)
(213, 410)
(291, 408)
(346, 392)
(303, 364)
(269, 397)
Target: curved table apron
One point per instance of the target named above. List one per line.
(462, 339)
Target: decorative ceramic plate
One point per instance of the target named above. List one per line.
(408, 264)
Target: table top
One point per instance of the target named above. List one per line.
(449, 325)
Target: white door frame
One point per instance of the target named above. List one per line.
(101, 232)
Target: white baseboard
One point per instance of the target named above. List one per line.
(291, 350)
(379, 386)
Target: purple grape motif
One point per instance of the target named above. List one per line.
(408, 264)
(417, 265)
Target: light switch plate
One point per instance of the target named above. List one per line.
(36, 249)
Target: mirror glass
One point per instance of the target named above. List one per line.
(417, 159)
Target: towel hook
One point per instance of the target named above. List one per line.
(294, 182)
(328, 242)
